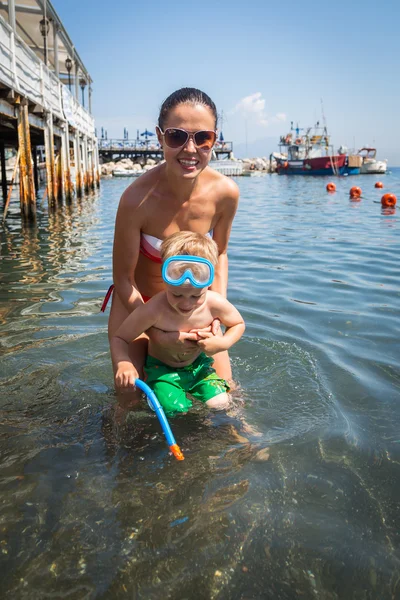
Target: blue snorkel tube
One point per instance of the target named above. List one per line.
(158, 409)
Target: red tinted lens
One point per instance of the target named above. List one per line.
(175, 138)
(205, 139)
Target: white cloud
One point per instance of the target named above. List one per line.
(253, 108)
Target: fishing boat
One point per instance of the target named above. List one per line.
(310, 153)
(370, 164)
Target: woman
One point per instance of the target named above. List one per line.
(182, 193)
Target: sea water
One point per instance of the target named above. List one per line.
(306, 508)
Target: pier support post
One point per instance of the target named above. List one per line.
(92, 169)
(49, 150)
(86, 172)
(3, 170)
(78, 166)
(27, 184)
(35, 168)
(91, 164)
(66, 164)
(96, 163)
(59, 171)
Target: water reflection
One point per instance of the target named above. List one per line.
(306, 509)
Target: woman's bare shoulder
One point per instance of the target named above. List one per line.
(224, 186)
(141, 189)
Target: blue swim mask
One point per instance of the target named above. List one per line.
(181, 269)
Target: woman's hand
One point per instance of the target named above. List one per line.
(126, 375)
(216, 326)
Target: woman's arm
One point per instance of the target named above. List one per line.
(227, 206)
(126, 249)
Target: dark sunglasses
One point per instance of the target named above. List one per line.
(176, 138)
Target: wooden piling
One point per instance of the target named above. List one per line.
(78, 169)
(86, 172)
(59, 176)
(96, 164)
(11, 185)
(91, 165)
(68, 189)
(50, 162)
(27, 184)
(35, 168)
(3, 170)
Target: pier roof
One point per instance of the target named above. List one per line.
(59, 46)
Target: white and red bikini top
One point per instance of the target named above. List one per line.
(150, 246)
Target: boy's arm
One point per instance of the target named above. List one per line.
(141, 319)
(231, 318)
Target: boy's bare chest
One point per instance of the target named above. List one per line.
(170, 320)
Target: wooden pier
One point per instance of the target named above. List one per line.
(40, 107)
(116, 149)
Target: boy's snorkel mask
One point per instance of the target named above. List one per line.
(181, 269)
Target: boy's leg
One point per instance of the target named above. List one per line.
(219, 402)
(207, 386)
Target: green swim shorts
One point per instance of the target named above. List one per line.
(171, 384)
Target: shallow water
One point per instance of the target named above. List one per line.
(92, 510)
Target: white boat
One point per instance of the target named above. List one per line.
(370, 164)
(227, 167)
(126, 173)
(254, 173)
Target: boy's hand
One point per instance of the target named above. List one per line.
(210, 343)
(214, 328)
(126, 375)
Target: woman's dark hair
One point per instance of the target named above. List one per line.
(185, 96)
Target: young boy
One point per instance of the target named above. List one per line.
(186, 305)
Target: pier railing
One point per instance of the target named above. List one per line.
(116, 145)
(139, 145)
(22, 71)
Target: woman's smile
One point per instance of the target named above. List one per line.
(189, 164)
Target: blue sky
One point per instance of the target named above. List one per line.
(264, 64)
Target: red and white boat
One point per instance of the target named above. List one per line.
(310, 153)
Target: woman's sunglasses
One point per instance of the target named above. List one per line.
(176, 138)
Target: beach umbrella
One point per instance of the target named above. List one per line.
(147, 133)
(221, 136)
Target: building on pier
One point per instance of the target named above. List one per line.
(43, 86)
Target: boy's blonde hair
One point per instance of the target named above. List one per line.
(187, 242)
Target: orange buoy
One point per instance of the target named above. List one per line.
(388, 200)
(379, 184)
(330, 187)
(355, 192)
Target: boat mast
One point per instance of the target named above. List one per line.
(334, 167)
